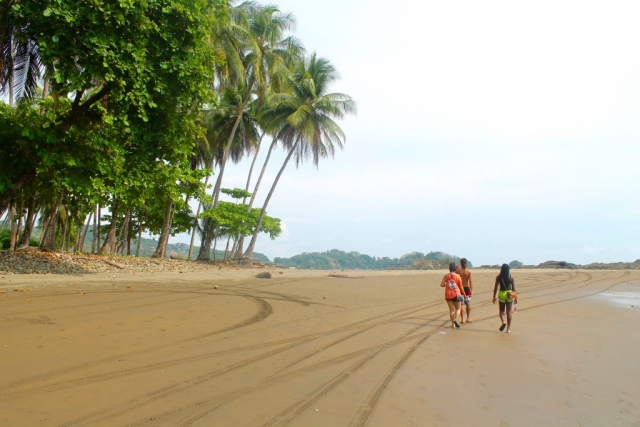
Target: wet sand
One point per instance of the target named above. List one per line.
(306, 349)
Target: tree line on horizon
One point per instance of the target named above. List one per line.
(115, 115)
(337, 259)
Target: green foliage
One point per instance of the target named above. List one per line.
(5, 238)
(237, 219)
(336, 259)
(515, 264)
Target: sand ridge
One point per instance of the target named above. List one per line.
(368, 349)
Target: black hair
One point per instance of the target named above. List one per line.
(463, 262)
(452, 267)
(505, 277)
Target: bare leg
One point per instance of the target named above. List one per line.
(501, 308)
(457, 307)
(469, 313)
(452, 313)
(509, 314)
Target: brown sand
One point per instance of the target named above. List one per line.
(306, 349)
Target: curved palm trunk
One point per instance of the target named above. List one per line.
(239, 249)
(248, 255)
(164, 234)
(124, 233)
(204, 254)
(195, 223)
(96, 236)
(255, 157)
(14, 227)
(139, 238)
(107, 246)
(49, 235)
(29, 223)
(84, 233)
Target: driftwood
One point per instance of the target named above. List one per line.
(344, 276)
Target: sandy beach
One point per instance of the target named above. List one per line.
(307, 349)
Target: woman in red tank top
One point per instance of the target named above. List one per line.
(453, 293)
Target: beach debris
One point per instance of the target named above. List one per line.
(29, 300)
(324, 297)
(215, 286)
(34, 261)
(82, 293)
(315, 410)
(280, 272)
(2, 292)
(344, 276)
(258, 265)
(263, 275)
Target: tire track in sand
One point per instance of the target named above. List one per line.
(264, 310)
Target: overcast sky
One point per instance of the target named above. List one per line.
(493, 130)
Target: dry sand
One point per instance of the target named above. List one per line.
(306, 349)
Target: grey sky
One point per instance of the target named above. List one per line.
(495, 130)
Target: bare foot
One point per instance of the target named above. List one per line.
(508, 331)
(469, 320)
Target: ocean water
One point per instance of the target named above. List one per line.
(622, 299)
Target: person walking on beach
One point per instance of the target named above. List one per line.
(453, 293)
(507, 295)
(467, 285)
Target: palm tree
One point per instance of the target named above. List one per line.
(302, 119)
(219, 123)
(266, 55)
(20, 63)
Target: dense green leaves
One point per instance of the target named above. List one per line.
(120, 109)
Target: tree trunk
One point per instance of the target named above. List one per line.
(234, 248)
(216, 189)
(227, 148)
(98, 236)
(164, 233)
(226, 249)
(14, 227)
(139, 238)
(238, 253)
(205, 247)
(76, 244)
(29, 223)
(20, 215)
(107, 246)
(65, 229)
(195, 224)
(84, 233)
(129, 237)
(49, 236)
(124, 231)
(96, 230)
(248, 255)
(7, 196)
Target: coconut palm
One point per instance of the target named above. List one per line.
(20, 63)
(302, 119)
(219, 123)
(266, 55)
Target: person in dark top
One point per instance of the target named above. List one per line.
(507, 295)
